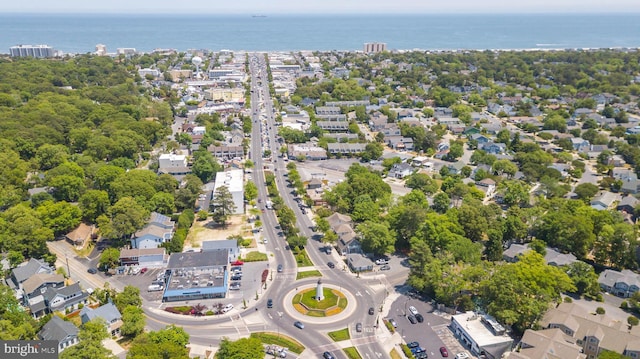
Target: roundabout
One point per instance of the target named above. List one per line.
(336, 305)
(320, 302)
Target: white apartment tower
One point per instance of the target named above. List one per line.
(37, 51)
(372, 47)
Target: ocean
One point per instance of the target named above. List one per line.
(76, 33)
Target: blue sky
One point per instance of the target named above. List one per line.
(321, 6)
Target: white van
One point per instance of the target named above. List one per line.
(155, 288)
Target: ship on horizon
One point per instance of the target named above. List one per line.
(258, 15)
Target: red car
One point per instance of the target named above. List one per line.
(444, 352)
(143, 270)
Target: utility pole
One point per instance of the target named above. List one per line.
(68, 268)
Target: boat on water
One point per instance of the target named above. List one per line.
(258, 15)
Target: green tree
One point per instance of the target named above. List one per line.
(169, 342)
(163, 202)
(537, 285)
(244, 348)
(67, 188)
(130, 296)
(91, 335)
(93, 203)
(441, 202)
(15, 322)
(205, 166)
(60, 217)
(584, 278)
(376, 237)
(109, 258)
(133, 321)
(372, 151)
(586, 191)
(250, 191)
(223, 205)
(422, 182)
(125, 217)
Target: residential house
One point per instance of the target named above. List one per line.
(593, 332)
(314, 183)
(65, 298)
(109, 313)
(64, 332)
(399, 143)
(79, 236)
(342, 226)
(333, 125)
(38, 283)
(456, 167)
(346, 148)
(628, 204)
(400, 170)
(623, 284)
(158, 230)
(144, 257)
(551, 257)
(493, 148)
(616, 161)
(631, 186)
(547, 344)
(580, 144)
(488, 186)
(479, 138)
(604, 200)
(26, 270)
(229, 245)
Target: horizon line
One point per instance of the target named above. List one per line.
(310, 13)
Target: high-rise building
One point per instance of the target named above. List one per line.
(370, 47)
(38, 51)
(101, 50)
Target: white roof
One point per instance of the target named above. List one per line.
(232, 179)
(478, 331)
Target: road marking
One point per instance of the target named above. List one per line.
(358, 294)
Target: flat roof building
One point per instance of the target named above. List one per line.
(197, 275)
(234, 181)
(37, 51)
(482, 334)
(373, 47)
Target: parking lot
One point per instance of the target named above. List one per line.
(432, 334)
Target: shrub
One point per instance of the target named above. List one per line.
(624, 305)
(600, 310)
(567, 300)
(407, 352)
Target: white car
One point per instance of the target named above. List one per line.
(381, 261)
(227, 308)
(462, 356)
(413, 310)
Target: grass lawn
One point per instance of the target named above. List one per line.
(307, 274)
(255, 257)
(394, 354)
(281, 340)
(352, 353)
(330, 299)
(302, 258)
(340, 335)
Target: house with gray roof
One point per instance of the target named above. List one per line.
(594, 333)
(358, 262)
(604, 200)
(38, 283)
(628, 204)
(28, 269)
(623, 284)
(551, 257)
(108, 312)
(401, 170)
(65, 298)
(158, 230)
(547, 344)
(65, 333)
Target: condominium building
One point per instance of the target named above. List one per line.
(372, 47)
(37, 51)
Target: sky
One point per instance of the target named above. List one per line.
(274, 7)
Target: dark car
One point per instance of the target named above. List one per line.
(359, 327)
(279, 268)
(385, 267)
(421, 355)
(371, 311)
(412, 319)
(92, 270)
(444, 352)
(331, 265)
(327, 355)
(419, 318)
(236, 277)
(413, 345)
(269, 303)
(298, 325)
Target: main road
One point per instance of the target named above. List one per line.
(366, 292)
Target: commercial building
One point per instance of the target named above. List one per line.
(174, 165)
(101, 50)
(228, 245)
(234, 181)
(372, 47)
(37, 51)
(197, 275)
(481, 334)
(144, 257)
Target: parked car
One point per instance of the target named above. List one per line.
(419, 318)
(413, 310)
(393, 322)
(371, 311)
(421, 355)
(269, 303)
(385, 267)
(413, 345)
(359, 327)
(279, 268)
(381, 261)
(444, 352)
(236, 277)
(327, 355)
(227, 308)
(417, 350)
(234, 286)
(92, 270)
(144, 270)
(412, 319)
(298, 324)
(462, 356)
(331, 265)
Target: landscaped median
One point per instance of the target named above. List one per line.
(352, 353)
(308, 274)
(340, 335)
(333, 303)
(281, 340)
(255, 257)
